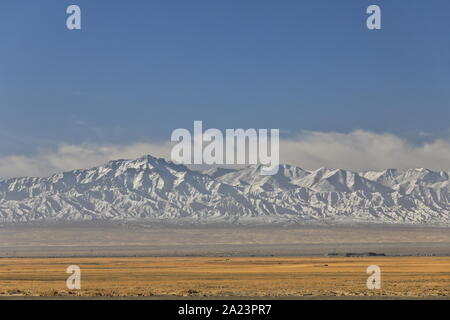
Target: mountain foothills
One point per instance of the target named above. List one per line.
(150, 189)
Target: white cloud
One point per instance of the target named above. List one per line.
(69, 157)
(363, 150)
(357, 150)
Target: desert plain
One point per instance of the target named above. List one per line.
(225, 263)
(226, 276)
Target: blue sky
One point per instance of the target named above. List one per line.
(139, 69)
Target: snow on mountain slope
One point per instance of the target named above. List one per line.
(407, 179)
(326, 180)
(148, 189)
(249, 178)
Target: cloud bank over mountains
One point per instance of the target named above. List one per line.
(363, 150)
(358, 150)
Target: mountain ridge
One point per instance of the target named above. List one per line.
(154, 189)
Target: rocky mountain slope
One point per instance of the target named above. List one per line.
(150, 189)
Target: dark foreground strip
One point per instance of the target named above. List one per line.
(223, 309)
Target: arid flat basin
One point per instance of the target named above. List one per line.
(227, 276)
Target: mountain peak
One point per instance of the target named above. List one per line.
(153, 188)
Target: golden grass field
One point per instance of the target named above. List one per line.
(226, 277)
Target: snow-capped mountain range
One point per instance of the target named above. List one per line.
(152, 189)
